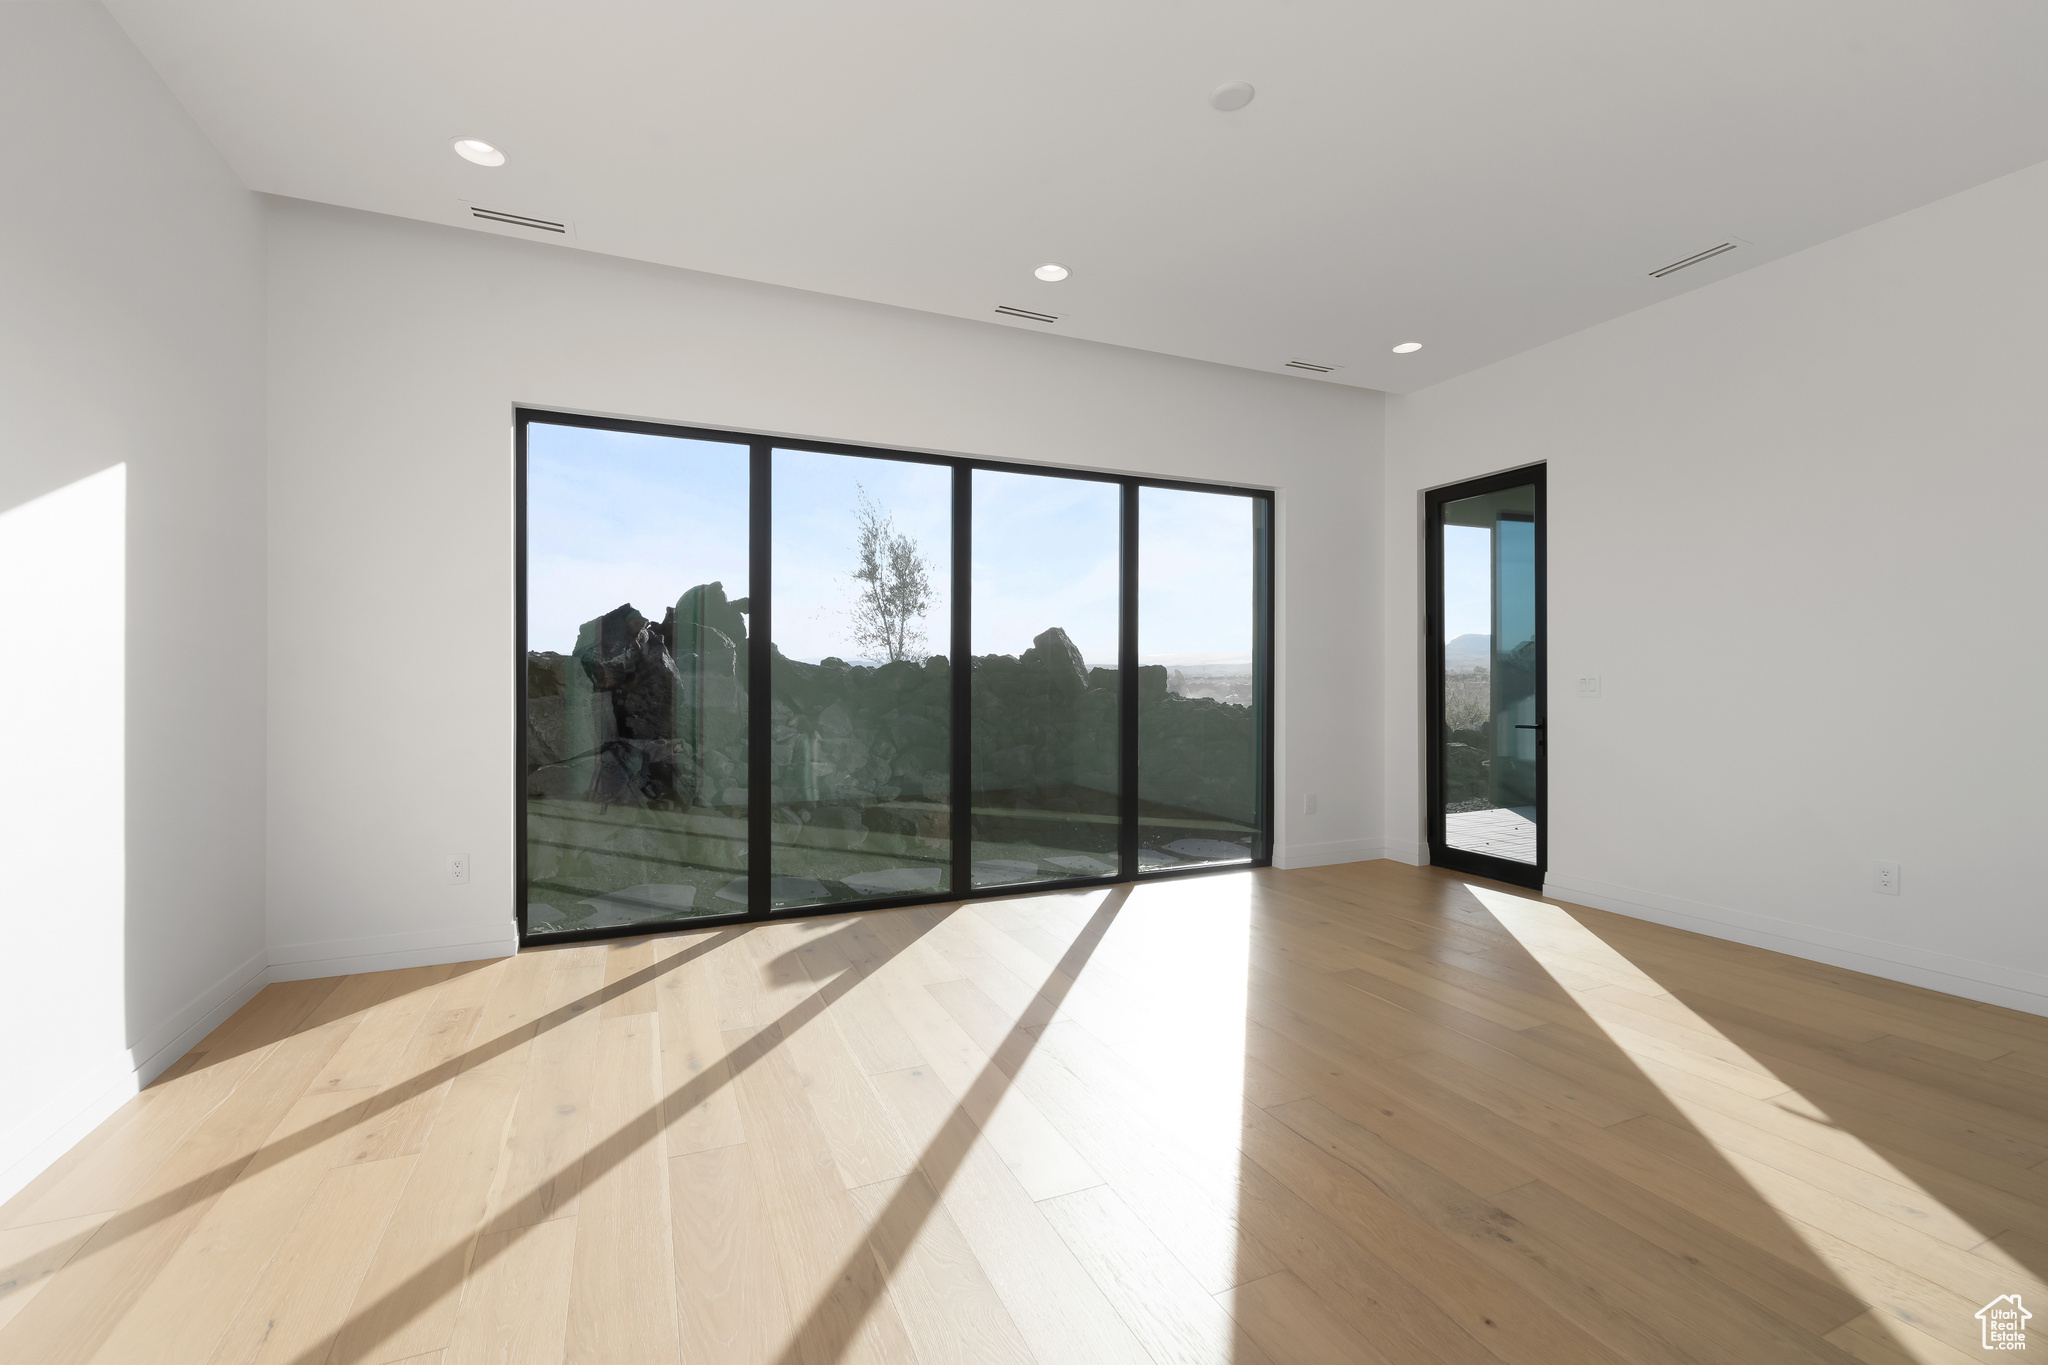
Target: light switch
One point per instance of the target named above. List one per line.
(1589, 685)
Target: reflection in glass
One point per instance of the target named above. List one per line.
(1198, 753)
(861, 732)
(1045, 722)
(636, 678)
(1489, 615)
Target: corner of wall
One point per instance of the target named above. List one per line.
(55, 1126)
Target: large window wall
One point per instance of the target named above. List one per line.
(763, 677)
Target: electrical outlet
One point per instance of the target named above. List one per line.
(1308, 804)
(1589, 686)
(1884, 879)
(458, 868)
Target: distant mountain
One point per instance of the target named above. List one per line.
(1469, 651)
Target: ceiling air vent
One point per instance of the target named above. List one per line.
(1308, 365)
(1695, 259)
(1007, 311)
(517, 220)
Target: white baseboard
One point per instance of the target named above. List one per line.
(1987, 982)
(1323, 855)
(165, 1045)
(384, 952)
(28, 1148)
(1408, 851)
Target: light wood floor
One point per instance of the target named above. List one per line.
(1358, 1114)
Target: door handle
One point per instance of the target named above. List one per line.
(1528, 727)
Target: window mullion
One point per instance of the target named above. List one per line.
(760, 683)
(1127, 685)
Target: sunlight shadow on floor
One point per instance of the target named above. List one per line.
(1923, 1269)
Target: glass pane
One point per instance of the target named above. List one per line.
(636, 676)
(1046, 552)
(1198, 753)
(1489, 615)
(862, 730)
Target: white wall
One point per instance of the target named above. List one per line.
(398, 351)
(131, 588)
(1797, 527)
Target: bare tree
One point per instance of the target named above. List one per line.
(893, 587)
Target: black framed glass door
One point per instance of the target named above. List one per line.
(762, 677)
(1488, 749)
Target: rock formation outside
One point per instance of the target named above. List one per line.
(637, 784)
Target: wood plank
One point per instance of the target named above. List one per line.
(1187, 1197)
(876, 1040)
(732, 1309)
(542, 1166)
(1709, 1138)
(1041, 1158)
(1402, 1281)
(1895, 1292)
(376, 1047)
(406, 1108)
(31, 1255)
(949, 1308)
(1291, 1324)
(413, 1286)
(635, 960)
(865, 1142)
(1716, 1322)
(1718, 1197)
(273, 1014)
(114, 1173)
(504, 1035)
(1976, 1188)
(1879, 1339)
(187, 1306)
(693, 1055)
(829, 1276)
(471, 985)
(1557, 1148)
(1490, 1235)
(303, 1297)
(1062, 1314)
(1170, 1313)
(1986, 1082)
(515, 1305)
(80, 1307)
(622, 1302)
(2032, 1064)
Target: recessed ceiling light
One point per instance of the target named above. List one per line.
(1050, 273)
(1231, 96)
(482, 153)
(1407, 346)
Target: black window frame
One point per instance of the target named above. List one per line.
(1441, 854)
(760, 634)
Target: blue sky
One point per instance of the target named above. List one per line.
(616, 517)
(1194, 577)
(1468, 581)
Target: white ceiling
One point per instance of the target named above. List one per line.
(1478, 175)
